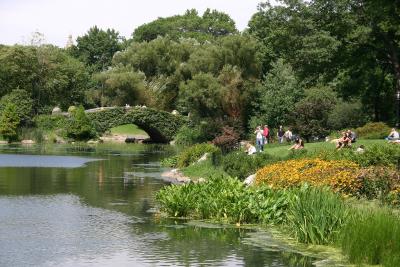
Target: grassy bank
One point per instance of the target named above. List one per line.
(128, 129)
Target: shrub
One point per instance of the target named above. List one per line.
(188, 136)
(50, 122)
(228, 140)
(170, 162)
(373, 130)
(78, 126)
(346, 115)
(240, 165)
(340, 175)
(23, 102)
(378, 182)
(316, 215)
(9, 122)
(194, 153)
(372, 237)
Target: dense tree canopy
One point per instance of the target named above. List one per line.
(190, 25)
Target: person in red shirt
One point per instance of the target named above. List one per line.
(265, 134)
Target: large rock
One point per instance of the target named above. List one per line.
(27, 142)
(250, 180)
(56, 111)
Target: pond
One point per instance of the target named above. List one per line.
(62, 205)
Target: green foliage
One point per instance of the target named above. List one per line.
(316, 215)
(224, 199)
(310, 114)
(23, 102)
(378, 182)
(50, 122)
(170, 162)
(240, 165)
(78, 126)
(372, 237)
(190, 25)
(48, 74)
(161, 126)
(121, 86)
(35, 134)
(9, 122)
(373, 130)
(189, 135)
(278, 95)
(192, 154)
(346, 115)
(97, 47)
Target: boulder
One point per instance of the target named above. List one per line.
(56, 111)
(250, 180)
(27, 142)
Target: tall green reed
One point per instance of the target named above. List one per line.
(316, 215)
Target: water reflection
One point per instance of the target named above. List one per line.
(99, 215)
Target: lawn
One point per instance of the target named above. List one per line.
(281, 150)
(128, 129)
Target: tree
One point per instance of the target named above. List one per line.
(310, 115)
(122, 85)
(190, 25)
(278, 95)
(201, 96)
(9, 122)
(97, 47)
(24, 104)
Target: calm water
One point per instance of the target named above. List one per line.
(93, 207)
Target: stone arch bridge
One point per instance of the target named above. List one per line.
(161, 126)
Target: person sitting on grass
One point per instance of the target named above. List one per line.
(298, 144)
(344, 141)
(250, 149)
(394, 135)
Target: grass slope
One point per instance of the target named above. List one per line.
(128, 129)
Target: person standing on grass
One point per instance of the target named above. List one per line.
(288, 135)
(266, 134)
(280, 134)
(259, 139)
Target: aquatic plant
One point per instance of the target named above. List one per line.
(316, 215)
(372, 237)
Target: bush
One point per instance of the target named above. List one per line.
(78, 126)
(378, 182)
(346, 115)
(372, 237)
(23, 102)
(188, 136)
(50, 122)
(170, 162)
(316, 215)
(9, 122)
(228, 140)
(373, 130)
(240, 165)
(194, 153)
(340, 175)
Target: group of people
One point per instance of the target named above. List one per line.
(348, 137)
(263, 136)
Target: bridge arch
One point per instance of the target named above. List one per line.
(161, 126)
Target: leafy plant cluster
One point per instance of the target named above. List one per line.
(240, 165)
(373, 130)
(224, 199)
(194, 153)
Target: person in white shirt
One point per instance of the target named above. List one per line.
(288, 136)
(259, 139)
(394, 135)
